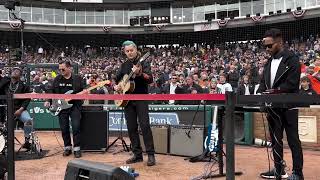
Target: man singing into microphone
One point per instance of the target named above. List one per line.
(282, 75)
(137, 110)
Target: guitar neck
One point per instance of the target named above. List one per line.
(131, 73)
(90, 88)
(138, 63)
(94, 87)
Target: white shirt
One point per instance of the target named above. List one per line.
(172, 91)
(247, 91)
(274, 68)
(40, 50)
(224, 88)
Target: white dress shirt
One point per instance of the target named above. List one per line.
(224, 88)
(172, 91)
(274, 68)
(247, 91)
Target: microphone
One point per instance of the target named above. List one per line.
(261, 142)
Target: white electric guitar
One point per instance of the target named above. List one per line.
(61, 104)
(211, 141)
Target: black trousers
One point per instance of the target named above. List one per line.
(134, 110)
(279, 120)
(75, 114)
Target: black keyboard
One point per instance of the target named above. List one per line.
(278, 100)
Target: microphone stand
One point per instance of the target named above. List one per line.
(120, 137)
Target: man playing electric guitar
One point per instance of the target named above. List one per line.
(137, 109)
(63, 83)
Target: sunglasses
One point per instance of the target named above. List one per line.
(62, 70)
(173, 78)
(269, 46)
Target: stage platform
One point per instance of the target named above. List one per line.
(250, 160)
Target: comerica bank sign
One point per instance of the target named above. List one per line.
(163, 118)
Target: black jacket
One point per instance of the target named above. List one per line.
(3, 82)
(233, 79)
(185, 89)
(242, 89)
(287, 77)
(77, 84)
(310, 91)
(166, 88)
(22, 88)
(141, 84)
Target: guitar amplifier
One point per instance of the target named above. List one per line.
(160, 135)
(93, 128)
(186, 145)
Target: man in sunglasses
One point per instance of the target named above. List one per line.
(171, 87)
(63, 83)
(281, 74)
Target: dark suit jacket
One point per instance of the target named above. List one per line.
(185, 89)
(242, 90)
(287, 77)
(165, 88)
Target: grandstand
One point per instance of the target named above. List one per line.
(202, 39)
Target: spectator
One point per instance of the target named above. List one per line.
(246, 87)
(223, 85)
(171, 87)
(306, 86)
(314, 79)
(99, 90)
(189, 87)
(233, 77)
(214, 88)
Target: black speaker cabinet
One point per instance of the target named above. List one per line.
(160, 139)
(183, 145)
(93, 128)
(79, 169)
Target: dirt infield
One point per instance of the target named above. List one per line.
(249, 160)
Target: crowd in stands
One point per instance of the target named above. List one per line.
(233, 66)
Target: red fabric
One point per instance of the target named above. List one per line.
(303, 68)
(315, 84)
(215, 97)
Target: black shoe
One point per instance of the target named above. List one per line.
(151, 160)
(67, 152)
(272, 174)
(27, 145)
(134, 159)
(296, 176)
(77, 154)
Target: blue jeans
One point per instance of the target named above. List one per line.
(28, 123)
